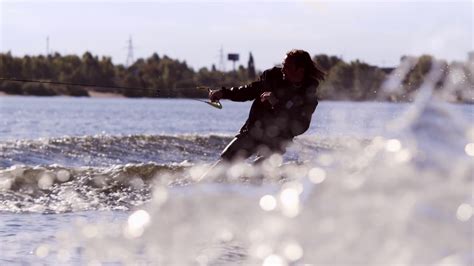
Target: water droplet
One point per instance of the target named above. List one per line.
(63, 255)
(235, 171)
(274, 260)
(317, 175)
(90, 231)
(136, 223)
(293, 251)
(290, 201)
(197, 172)
(260, 251)
(202, 260)
(45, 181)
(268, 203)
(451, 260)
(393, 145)
(325, 160)
(225, 235)
(160, 195)
(42, 251)
(5, 183)
(136, 183)
(94, 263)
(275, 160)
(17, 171)
(63, 175)
(403, 156)
(100, 181)
(464, 212)
(469, 149)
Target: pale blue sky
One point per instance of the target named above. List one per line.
(377, 32)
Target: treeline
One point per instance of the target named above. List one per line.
(354, 80)
(359, 81)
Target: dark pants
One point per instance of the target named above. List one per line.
(243, 146)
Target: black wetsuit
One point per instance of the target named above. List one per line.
(271, 128)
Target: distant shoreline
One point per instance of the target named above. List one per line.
(96, 94)
(107, 95)
(92, 94)
(69, 75)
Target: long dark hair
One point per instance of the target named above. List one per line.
(313, 73)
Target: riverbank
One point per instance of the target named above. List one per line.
(96, 94)
(92, 94)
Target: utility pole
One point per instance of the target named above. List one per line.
(221, 60)
(47, 45)
(130, 59)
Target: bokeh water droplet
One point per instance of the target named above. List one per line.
(464, 212)
(137, 223)
(268, 203)
(63, 175)
(42, 251)
(274, 260)
(393, 145)
(317, 175)
(293, 251)
(45, 181)
(469, 149)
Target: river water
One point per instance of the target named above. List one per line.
(116, 181)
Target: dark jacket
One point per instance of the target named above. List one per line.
(290, 117)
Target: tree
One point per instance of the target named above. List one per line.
(344, 81)
(326, 62)
(339, 83)
(251, 74)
